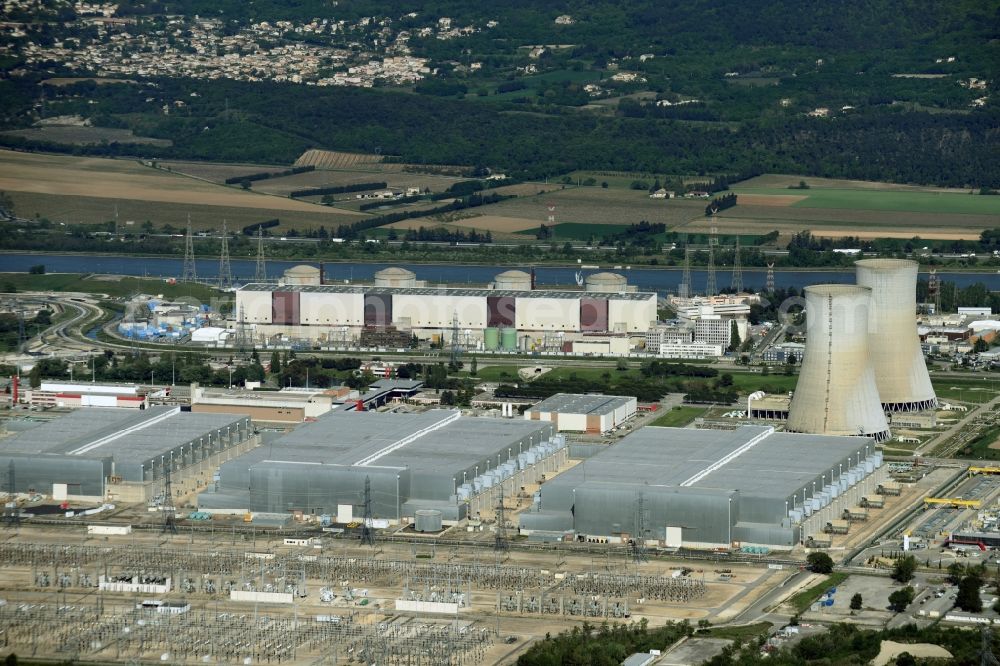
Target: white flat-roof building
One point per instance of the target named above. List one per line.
(574, 412)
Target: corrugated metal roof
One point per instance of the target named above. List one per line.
(579, 403)
(347, 438)
(447, 291)
(92, 433)
(777, 466)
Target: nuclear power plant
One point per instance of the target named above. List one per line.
(836, 393)
(510, 314)
(862, 357)
(900, 371)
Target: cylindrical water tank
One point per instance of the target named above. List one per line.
(815, 503)
(427, 520)
(508, 339)
(869, 466)
(844, 484)
(491, 338)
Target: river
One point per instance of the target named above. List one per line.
(646, 279)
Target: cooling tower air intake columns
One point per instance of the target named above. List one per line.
(836, 393)
(900, 371)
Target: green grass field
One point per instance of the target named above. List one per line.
(886, 200)
(577, 231)
(678, 417)
(118, 287)
(804, 599)
(978, 390)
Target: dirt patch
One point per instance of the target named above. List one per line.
(784, 180)
(889, 650)
(497, 223)
(776, 200)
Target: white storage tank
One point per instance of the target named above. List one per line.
(606, 282)
(514, 280)
(427, 520)
(394, 276)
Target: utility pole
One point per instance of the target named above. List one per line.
(769, 285)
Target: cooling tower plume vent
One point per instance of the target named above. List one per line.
(836, 393)
(900, 370)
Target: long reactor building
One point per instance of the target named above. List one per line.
(506, 315)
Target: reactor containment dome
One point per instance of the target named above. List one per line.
(836, 393)
(900, 372)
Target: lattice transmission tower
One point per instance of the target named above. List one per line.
(737, 282)
(168, 508)
(190, 272)
(260, 275)
(684, 290)
(11, 514)
(713, 239)
(225, 270)
(367, 532)
(501, 543)
(638, 543)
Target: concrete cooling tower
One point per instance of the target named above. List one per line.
(900, 371)
(836, 393)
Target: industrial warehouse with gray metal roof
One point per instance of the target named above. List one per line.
(93, 449)
(679, 486)
(437, 460)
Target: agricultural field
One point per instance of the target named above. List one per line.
(71, 189)
(948, 203)
(784, 181)
(216, 172)
(836, 208)
(323, 178)
(73, 135)
(579, 206)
